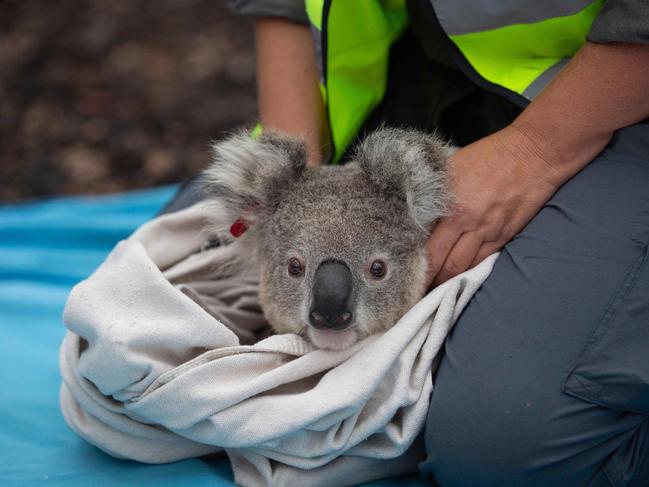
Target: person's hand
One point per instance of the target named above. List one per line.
(498, 184)
(502, 181)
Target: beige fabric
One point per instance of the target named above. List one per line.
(165, 359)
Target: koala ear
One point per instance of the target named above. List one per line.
(411, 165)
(248, 175)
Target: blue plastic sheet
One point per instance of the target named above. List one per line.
(45, 248)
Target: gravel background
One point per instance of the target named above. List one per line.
(107, 95)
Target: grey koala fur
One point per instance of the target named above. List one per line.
(381, 205)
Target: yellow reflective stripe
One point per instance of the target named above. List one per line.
(314, 12)
(257, 131)
(359, 36)
(515, 55)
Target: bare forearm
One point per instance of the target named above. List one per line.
(287, 82)
(500, 182)
(605, 87)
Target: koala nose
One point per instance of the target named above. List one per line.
(332, 288)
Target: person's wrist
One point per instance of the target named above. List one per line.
(529, 153)
(553, 154)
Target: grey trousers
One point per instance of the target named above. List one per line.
(545, 378)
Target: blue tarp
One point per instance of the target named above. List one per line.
(45, 248)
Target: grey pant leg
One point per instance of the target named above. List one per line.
(545, 378)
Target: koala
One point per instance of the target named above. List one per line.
(340, 250)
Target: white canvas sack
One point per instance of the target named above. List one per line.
(167, 358)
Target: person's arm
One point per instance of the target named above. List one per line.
(502, 181)
(287, 82)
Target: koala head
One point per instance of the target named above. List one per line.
(340, 249)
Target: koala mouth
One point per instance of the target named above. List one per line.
(332, 339)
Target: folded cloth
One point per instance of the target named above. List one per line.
(168, 357)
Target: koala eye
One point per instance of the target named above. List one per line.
(295, 267)
(378, 269)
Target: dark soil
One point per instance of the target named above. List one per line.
(108, 95)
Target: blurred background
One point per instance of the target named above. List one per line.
(100, 96)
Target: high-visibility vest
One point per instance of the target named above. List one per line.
(516, 45)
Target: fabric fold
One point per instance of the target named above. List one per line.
(168, 357)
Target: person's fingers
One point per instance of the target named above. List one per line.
(496, 242)
(486, 250)
(439, 245)
(460, 258)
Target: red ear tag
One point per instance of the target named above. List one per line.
(239, 226)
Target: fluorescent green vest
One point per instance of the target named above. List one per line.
(518, 47)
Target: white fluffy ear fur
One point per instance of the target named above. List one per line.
(412, 165)
(248, 175)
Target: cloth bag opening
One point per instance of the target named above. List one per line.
(168, 356)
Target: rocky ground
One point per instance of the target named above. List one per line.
(108, 95)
